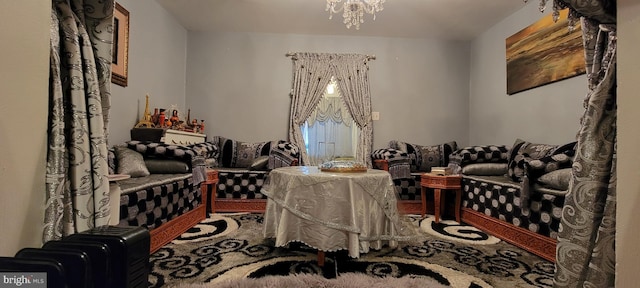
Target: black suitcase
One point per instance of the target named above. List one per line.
(53, 269)
(129, 252)
(76, 264)
(99, 255)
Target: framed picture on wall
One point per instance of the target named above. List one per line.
(120, 52)
(544, 52)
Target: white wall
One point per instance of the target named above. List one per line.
(628, 190)
(547, 114)
(240, 83)
(24, 75)
(157, 66)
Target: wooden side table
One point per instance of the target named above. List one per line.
(212, 181)
(439, 183)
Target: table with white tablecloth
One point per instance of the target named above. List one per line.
(331, 211)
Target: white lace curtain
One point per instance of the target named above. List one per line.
(331, 109)
(330, 131)
(312, 74)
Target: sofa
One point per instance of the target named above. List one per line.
(406, 162)
(163, 193)
(516, 193)
(242, 168)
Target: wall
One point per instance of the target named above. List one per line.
(628, 190)
(498, 118)
(157, 67)
(24, 80)
(240, 83)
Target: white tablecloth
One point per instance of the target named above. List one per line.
(332, 211)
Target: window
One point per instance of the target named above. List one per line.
(330, 132)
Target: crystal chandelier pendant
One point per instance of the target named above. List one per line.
(353, 10)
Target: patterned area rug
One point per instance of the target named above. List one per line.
(227, 247)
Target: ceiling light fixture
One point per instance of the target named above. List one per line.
(353, 10)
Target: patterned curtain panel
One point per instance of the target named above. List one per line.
(80, 72)
(311, 75)
(585, 255)
(352, 75)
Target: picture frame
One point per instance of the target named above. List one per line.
(120, 51)
(544, 52)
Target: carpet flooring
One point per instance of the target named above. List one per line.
(227, 247)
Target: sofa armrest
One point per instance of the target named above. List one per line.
(396, 162)
(480, 154)
(283, 154)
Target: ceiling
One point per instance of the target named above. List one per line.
(443, 19)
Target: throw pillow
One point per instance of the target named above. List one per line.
(130, 162)
(485, 169)
(558, 179)
(422, 158)
(522, 148)
(260, 163)
(480, 154)
(237, 154)
(538, 167)
(166, 166)
(246, 153)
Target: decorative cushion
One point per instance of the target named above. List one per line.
(387, 153)
(162, 151)
(422, 158)
(130, 162)
(237, 154)
(539, 167)
(485, 169)
(260, 163)
(480, 154)
(522, 149)
(166, 166)
(558, 179)
(206, 149)
(289, 148)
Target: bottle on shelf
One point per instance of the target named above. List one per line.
(161, 118)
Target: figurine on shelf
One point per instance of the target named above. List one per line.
(202, 126)
(154, 117)
(146, 117)
(174, 117)
(161, 118)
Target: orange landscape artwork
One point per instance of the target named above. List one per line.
(543, 53)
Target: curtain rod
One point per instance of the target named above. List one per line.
(369, 57)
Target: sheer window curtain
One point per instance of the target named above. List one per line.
(77, 187)
(312, 74)
(329, 123)
(585, 253)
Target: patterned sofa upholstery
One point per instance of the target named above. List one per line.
(243, 167)
(516, 193)
(406, 163)
(163, 194)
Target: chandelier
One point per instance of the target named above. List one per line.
(353, 10)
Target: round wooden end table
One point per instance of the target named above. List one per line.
(438, 183)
